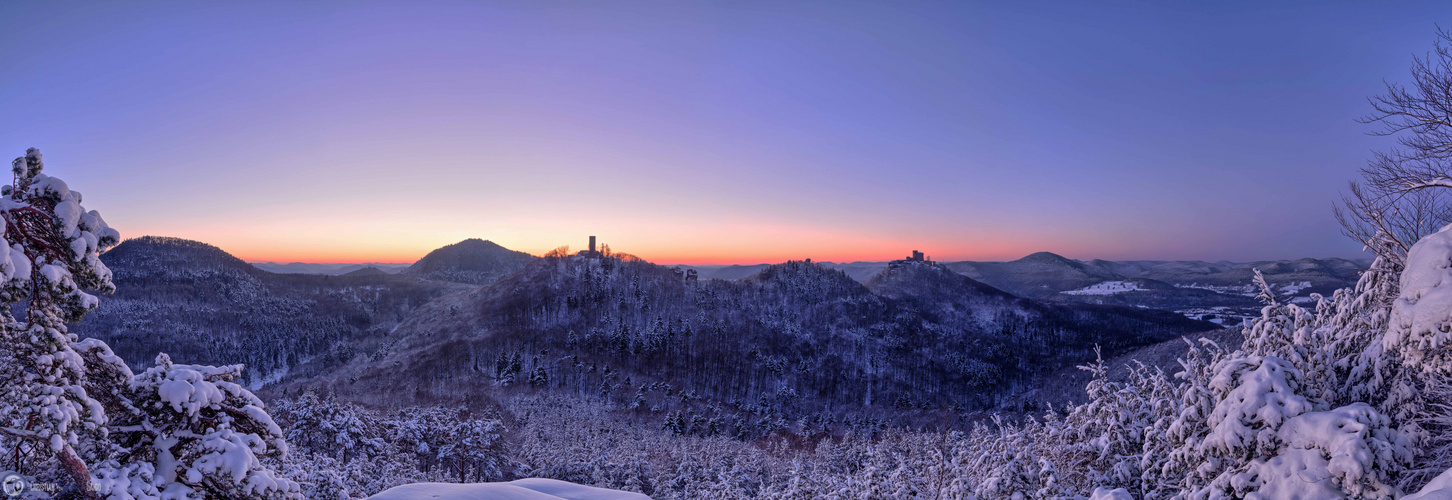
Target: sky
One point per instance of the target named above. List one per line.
(712, 132)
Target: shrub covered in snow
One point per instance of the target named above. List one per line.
(190, 432)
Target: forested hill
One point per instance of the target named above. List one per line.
(473, 261)
(1045, 275)
(202, 305)
(948, 299)
(794, 338)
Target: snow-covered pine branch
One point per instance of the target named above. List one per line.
(188, 431)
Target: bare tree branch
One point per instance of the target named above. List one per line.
(1400, 199)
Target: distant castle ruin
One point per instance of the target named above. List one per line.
(591, 252)
(915, 257)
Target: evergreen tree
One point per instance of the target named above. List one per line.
(179, 431)
(188, 431)
(48, 254)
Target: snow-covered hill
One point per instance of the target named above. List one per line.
(793, 339)
(199, 303)
(1214, 291)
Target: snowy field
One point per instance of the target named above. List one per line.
(523, 489)
(1106, 288)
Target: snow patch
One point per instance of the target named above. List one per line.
(1439, 489)
(1421, 318)
(1107, 288)
(523, 489)
(1108, 494)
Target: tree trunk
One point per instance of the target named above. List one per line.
(77, 469)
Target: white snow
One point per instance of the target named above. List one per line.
(69, 212)
(1106, 288)
(1292, 475)
(1439, 489)
(54, 273)
(1328, 452)
(1108, 494)
(1422, 315)
(523, 489)
(1290, 289)
(1259, 395)
(188, 391)
(21, 263)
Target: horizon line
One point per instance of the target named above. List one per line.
(726, 261)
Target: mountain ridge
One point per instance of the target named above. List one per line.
(199, 303)
(792, 337)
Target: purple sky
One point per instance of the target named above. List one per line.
(690, 132)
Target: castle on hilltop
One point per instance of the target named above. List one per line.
(915, 257)
(591, 252)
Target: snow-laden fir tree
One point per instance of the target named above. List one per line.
(178, 431)
(1414, 359)
(48, 253)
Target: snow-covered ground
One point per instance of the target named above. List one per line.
(1220, 315)
(1291, 289)
(1249, 290)
(1439, 489)
(523, 489)
(1106, 288)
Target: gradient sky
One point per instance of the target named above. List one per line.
(711, 132)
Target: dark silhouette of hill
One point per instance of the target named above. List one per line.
(202, 305)
(1194, 287)
(366, 271)
(1040, 275)
(334, 269)
(473, 261)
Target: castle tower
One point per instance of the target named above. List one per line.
(592, 244)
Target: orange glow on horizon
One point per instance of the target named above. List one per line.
(880, 252)
(669, 238)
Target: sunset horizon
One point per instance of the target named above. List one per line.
(726, 260)
(720, 136)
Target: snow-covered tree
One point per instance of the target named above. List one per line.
(329, 426)
(1415, 358)
(179, 431)
(475, 448)
(48, 254)
(188, 431)
(1102, 443)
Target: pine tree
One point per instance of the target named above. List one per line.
(48, 254)
(179, 431)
